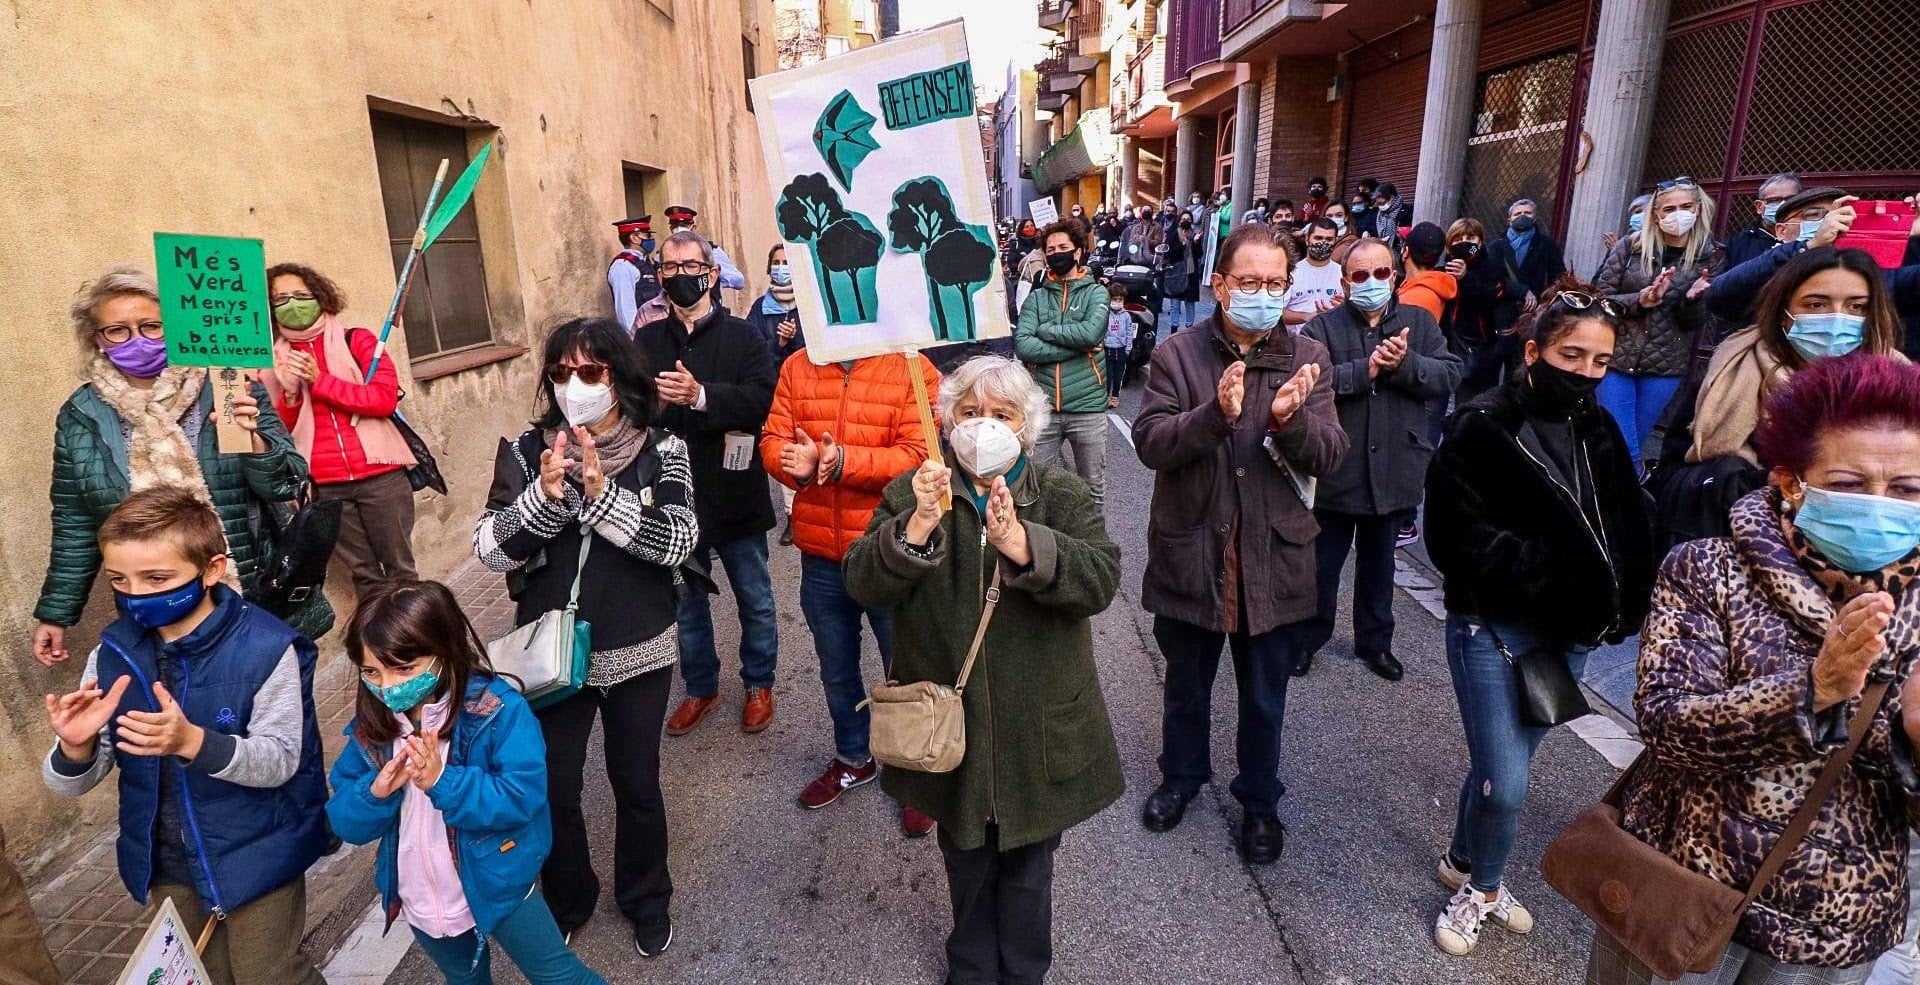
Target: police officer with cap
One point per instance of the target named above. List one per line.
(634, 275)
(682, 217)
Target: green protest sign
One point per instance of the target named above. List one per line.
(944, 93)
(213, 300)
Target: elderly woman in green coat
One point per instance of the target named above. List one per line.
(136, 423)
(1040, 754)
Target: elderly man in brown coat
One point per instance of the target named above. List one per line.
(1238, 422)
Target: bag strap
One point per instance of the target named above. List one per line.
(586, 544)
(1858, 729)
(979, 634)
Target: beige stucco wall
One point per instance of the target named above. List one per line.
(250, 118)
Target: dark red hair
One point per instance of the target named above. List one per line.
(1845, 393)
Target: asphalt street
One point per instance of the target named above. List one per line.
(768, 893)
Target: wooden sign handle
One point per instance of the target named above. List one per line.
(926, 421)
(227, 383)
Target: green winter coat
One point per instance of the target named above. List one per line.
(1063, 327)
(90, 480)
(1041, 756)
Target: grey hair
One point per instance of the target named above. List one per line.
(1790, 177)
(686, 236)
(117, 282)
(994, 378)
(1523, 201)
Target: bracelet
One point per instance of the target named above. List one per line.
(923, 552)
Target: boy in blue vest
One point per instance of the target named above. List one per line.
(207, 709)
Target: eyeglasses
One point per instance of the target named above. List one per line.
(1361, 276)
(694, 267)
(1682, 181)
(592, 374)
(1581, 301)
(118, 334)
(280, 299)
(1247, 285)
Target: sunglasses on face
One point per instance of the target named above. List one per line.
(592, 374)
(1361, 276)
(1581, 301)
(1682, 181)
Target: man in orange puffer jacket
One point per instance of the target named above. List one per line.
(837, 434)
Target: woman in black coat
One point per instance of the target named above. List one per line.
(1536, 521)
(1477, 320)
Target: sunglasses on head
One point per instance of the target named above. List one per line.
(1682, 181)
(1581, 301)
(1361, 276)
(592, 374)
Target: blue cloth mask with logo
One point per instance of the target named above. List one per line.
(1827, 333)
(1858, 532)
(161, 608)
(403, 696)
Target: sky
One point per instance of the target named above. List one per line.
(989, 40)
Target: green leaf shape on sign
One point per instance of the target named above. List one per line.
(456, 197)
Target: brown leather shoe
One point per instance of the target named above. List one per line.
(758, 711)
(689, 714)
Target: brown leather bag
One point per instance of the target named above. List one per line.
(1672, 918)
(923, 726)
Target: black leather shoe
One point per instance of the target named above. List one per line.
(650, 940)
(1165, 807)
(1300, 667)
(1262, 836)
(1384, 665)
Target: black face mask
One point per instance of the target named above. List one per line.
(1522, 223)
(1316, 193)
(685, 290)
(1560, 389)
(1061, 264)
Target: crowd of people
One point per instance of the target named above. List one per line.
(1712, 448)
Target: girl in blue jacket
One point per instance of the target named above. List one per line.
(447, 768)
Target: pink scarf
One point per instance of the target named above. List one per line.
(379, 439)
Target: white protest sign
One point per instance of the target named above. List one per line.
(1044, 212)
(165, 955)
(880, 193)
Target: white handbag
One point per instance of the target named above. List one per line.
(548, 657)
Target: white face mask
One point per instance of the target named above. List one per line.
(583, 405)
(1678, 222)
(984, 447)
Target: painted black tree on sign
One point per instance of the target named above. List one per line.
(958, 257)
(844, 243)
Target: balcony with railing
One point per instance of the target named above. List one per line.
(1055, 13)
(1193, 36)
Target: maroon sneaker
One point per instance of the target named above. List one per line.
(914, 823)
(838, 779)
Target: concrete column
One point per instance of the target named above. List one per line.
(1452, 77)
(1625, 81)
(1246, 144)
(1129, 172)
(1185, 155)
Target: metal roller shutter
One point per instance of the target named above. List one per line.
(1533, 34)
(1383, 134)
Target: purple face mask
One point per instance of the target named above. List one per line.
(139, 357)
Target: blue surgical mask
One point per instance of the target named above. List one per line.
(1826, 333)
(1340, 225)
(161, 608)
(646, 246)
(1808, 227)
(1858, 532)
(1371, 295)
(402, 697)
(1256, 310)
(1768, 213)
(1636, 222)
(781, 273)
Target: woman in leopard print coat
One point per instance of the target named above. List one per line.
(1752, 662)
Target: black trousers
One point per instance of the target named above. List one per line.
(1372, 540)
(1260, 666)
(631, 715)
(1002, 911)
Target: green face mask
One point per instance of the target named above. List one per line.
(297, 314)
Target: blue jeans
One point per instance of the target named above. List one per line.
(834, 618)
(746, 563)
(1261, 667)
(1499, 746)
(1636, 403)
(530, 938)
(1178, 314)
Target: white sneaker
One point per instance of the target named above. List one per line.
(1458, 929)
(1514, 917)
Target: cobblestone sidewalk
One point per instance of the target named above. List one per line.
(91, 924)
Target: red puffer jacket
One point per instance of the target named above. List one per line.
(337, 456)
(870, 412)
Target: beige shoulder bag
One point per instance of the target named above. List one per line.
(923, 726)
